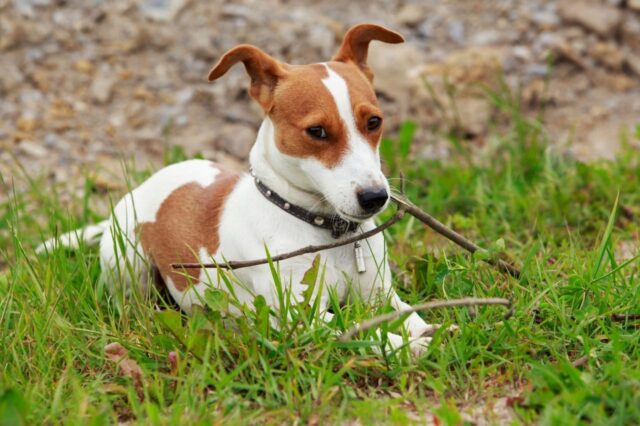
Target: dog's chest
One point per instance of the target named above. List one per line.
(251, 224)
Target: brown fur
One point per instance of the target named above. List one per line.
(300, 101)
(355, 45)
(187, 221)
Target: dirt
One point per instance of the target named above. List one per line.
(84, 84)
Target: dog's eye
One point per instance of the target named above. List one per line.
(317, 132)
(374, 123)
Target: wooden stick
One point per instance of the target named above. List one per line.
(404, 205)
(308, 249)
(450, 234)
(468, 301)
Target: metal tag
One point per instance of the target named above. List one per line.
(360, 265)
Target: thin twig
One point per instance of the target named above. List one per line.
(583, 360)
(450, 234)
(625, 317)
(468, 301)
(305, 250)
(404, 205)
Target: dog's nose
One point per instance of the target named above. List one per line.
(372, 199)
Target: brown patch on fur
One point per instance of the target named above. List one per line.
(301, 101)
(187, 221)
(262, 68)
(362, 96)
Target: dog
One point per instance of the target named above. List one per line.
(315, 178)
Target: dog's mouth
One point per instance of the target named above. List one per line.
(356, 218)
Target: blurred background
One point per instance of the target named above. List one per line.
(84, 83)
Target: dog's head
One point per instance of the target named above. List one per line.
(325, 120)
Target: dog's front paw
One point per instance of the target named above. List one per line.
(417, 346)
(430, 330)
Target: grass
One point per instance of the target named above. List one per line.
(561, 220)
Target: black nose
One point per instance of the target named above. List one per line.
(372, 199)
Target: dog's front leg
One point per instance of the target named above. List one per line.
(377, 281)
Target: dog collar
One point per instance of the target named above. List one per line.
(337, 225)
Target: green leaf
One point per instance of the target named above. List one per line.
(13, 408)
(216, 300)
(310, 278)
(171, 320)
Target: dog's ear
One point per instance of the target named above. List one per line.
(262, 68)
(355, 44)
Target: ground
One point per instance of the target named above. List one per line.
(533, 157)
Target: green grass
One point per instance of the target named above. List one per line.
(562, 221)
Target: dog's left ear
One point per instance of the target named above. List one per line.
(264, 71)
(355, 45)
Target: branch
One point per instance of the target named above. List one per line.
(469, 301)
(305, 250)
(404, 205)
(450, 234)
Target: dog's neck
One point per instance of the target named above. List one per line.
(278, 172)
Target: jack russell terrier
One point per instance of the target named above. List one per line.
(315, 177)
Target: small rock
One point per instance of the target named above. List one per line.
(537, 70)
(602, 19)
(392, 64)
(162, 10)
(486, 38)
(32, 149)
(236, 139)
(607, 53)
(545, 19)
(634, 4)
(633, 61)
(411, 15)
(102, 86)
(473, 65)
(630, 32)
(474, 114)
(322, 38)
(456, 32)
(26, 123)
(10, 76)
(522, 53)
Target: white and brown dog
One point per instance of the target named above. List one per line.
(315, 177)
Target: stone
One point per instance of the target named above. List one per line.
(485, 38)
(457, 32)
(630, 32)
(162, 10)
(393, 65)
(10, 76)
(545, 19)
(411, 15)
(608, 54)
(475, 115)
(33, 149)
(468, 66)
(236, 139)
(600, 18)
(633, 61)
(102, 86)
(633, 4)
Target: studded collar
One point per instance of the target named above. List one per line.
(337, 225)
